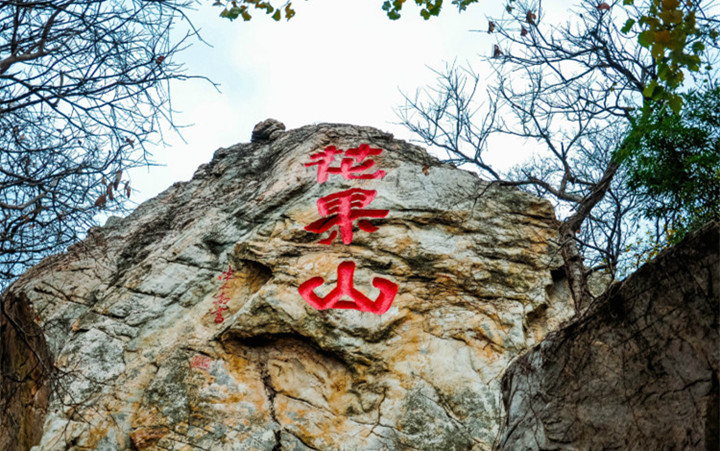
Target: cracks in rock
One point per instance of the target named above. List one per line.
(469, 344)
(302, 441)
(186, 263)
(305, 401)
(379, 411)
(289, 339)
(189, 441)
(643, 343)
(56, 291)
(271, 393)
(712, 425)
(263, 351)
(444, 407)
(113, 316)
(143, 293)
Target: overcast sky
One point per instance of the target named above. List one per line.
(335, 61)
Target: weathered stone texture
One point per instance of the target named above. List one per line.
(638, 371)
(25, 367)
(128, 313)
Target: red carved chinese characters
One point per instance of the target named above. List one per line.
(342, 209)
(345, 287)
(324, 159)
(221, 303)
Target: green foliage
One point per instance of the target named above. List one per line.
(428, 8)
(673, 161)
(676, 43)
(668, 29)
(234, 9)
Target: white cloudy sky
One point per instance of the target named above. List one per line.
(335, 61)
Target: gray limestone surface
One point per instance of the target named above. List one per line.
(144, 360)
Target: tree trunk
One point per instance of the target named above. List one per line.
(574, 267)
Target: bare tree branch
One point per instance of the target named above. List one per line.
(84, 87)
(570, 91)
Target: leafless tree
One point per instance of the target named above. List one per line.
(571, 90)
(84, 87)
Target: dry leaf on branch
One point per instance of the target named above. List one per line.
(530, 17)
(118, 176)
(100, 202)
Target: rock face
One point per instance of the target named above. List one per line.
(25, 369)
(639, 370)
(153, 351)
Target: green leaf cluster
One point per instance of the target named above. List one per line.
(234, 9)
(673, 161)
(241, 8)
(428, 7)
(675, 41)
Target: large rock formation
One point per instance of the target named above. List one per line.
(147, 357)
(639, 370)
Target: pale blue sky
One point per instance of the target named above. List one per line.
(335, 61)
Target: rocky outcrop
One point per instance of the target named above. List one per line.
(639, 370)
(182, 326)
(267, 130)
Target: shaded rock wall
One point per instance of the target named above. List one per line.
(129, 314)
(25, 369)
(638, 371)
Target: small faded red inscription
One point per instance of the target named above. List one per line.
(221, 302)
(200, 362)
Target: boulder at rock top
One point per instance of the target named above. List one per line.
(638, 370)
(182, 326)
